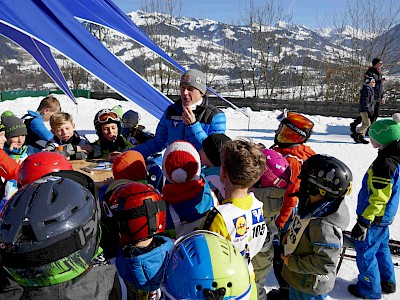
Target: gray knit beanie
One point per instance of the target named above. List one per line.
(194, 78)
(14, 126)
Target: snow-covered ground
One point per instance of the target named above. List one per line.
(330, 136)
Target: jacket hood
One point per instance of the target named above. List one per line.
(335, 211)
(145, 271)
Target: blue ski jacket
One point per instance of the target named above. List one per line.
(209, 120)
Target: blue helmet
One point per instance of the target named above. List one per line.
(213, 269)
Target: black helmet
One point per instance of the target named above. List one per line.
(327, 175)
(49, 232)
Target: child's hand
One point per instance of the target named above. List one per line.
(84, 148)
(284, 239)
(113, 155)
(285, 259)
(14, 146)
(18, 160)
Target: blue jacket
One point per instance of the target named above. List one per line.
(145, 270)
(367, 100)
(36, 128)
(21, 153)
(171, 128)
(212, 176)
(192, 206)
(378, 198)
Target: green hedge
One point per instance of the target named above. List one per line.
(12, 95)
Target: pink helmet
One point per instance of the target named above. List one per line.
(277, 172)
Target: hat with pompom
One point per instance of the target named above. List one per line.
(386, 131)
(7, 113)
(129, 165)
(181, 162)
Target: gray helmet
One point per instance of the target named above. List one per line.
(49, 231)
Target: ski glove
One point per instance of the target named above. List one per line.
(359, 231)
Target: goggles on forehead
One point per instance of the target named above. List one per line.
(296, 122)
(106, 116)
(283, 115)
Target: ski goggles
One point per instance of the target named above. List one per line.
(106, 116)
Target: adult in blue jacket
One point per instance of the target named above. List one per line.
(191, 118)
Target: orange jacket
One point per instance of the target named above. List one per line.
(8, 167)
(295, 156)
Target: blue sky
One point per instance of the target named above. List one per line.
(305, 12)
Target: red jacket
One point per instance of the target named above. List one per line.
(8, 167)
(295, 156)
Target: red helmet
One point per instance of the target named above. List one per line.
(139, 210)
(40, 164)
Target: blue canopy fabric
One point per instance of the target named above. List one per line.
(38, 25)
(41, 53)
(106, 13)
(53, 24)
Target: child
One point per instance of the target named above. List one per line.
(38, 134)
(377, 205)
(270, 190)
(140, 213)
(8, 167)
(132, 131)
(73, 146)
(187, 193)
(43, 259)
(16, 133)
(366, 108)
(204, 265)
(127, 167)
(240, 217)
(210, 159)
(108, 129)
(313, 243)
(290, 138)
(40, 164)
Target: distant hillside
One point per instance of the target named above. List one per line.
(229, 53)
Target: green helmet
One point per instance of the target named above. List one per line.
(213, 269)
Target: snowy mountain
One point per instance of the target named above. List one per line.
(297, 40)
(222, 50)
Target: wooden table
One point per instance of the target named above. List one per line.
(85, 166)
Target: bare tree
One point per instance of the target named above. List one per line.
(164, 35)
(268, 53)
(357, 31)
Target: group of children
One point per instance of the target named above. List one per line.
(234, 209)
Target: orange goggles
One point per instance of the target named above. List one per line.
(108, 115)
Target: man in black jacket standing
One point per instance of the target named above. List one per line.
(375, 71)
